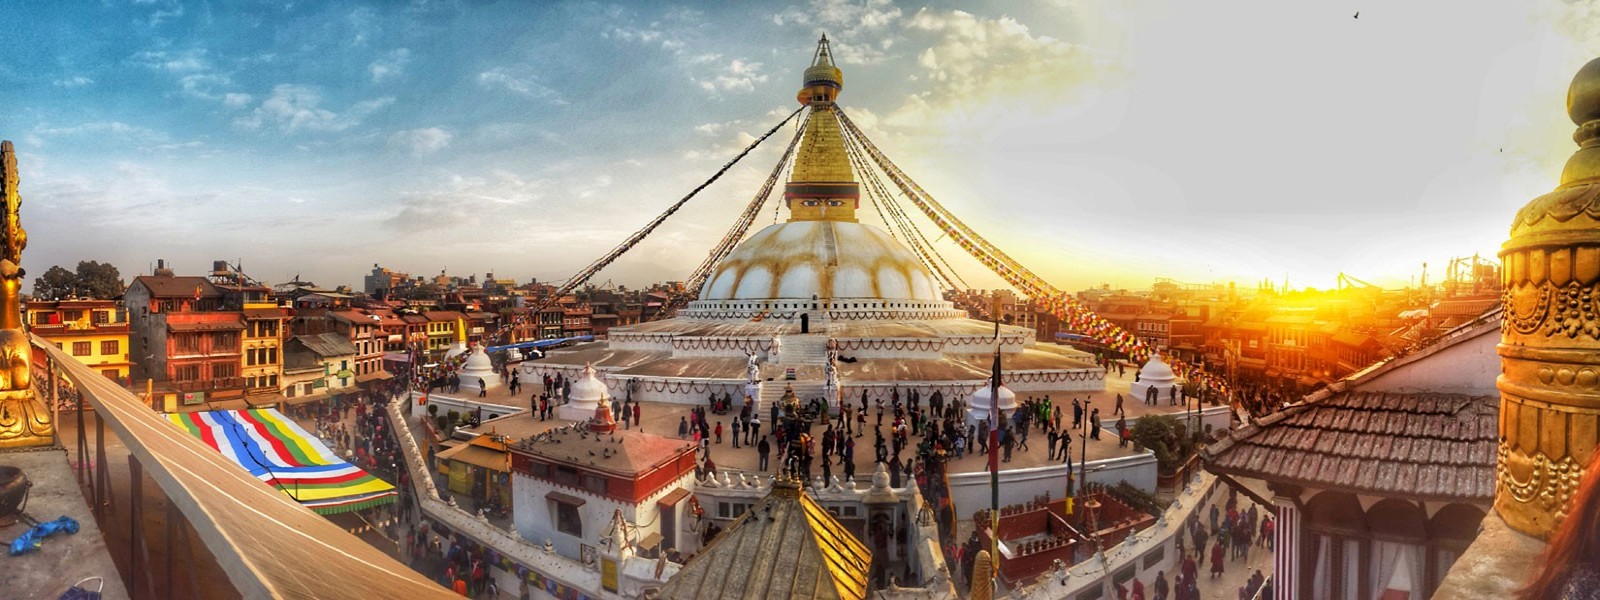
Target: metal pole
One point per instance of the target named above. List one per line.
(102, 496)
(172, 555)
(136, 529)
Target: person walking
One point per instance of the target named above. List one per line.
(483, 388)
(718, 432)
(737, 427)
(683, 427)
(763, 449)
(1094, 424)
(1118, 410)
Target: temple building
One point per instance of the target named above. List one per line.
(820, 286)
(567, 484)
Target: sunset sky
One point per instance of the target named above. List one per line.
(1097, 142)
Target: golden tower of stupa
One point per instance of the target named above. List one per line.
(1550, 344)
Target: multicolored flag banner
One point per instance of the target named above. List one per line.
(281, 454)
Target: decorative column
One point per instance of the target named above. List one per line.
(24, 420)
(1550, 340)
(1286, 548)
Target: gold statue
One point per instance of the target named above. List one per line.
(24, 420)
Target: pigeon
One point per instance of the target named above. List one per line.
(1358, 15)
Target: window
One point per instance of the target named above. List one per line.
(568, 520)
(100, 317)
(186, 373)
(188, 343)
(221, 370)
(82, 349)
(72, 315)
(111, 374)
(110, 347)
(273, 380)
(594, 483)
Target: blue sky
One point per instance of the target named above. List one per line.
(1094, 140)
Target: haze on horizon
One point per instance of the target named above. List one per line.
(1093, 141)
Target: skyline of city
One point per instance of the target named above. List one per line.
(397, 137)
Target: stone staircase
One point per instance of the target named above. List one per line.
(771, 391)
(808, 349)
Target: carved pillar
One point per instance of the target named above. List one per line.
(1550, 340)
(24, 420)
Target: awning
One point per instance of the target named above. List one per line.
(567, 499)
(672, 499)
(306, 399)
(374, 376)
(479, 456)
(275, 450)
(650, 541)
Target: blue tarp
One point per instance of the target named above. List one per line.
(541, 343)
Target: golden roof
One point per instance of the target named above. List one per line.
(786, 546)
(821, 156)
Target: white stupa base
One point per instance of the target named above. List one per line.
(1139, 389)
(577, 410)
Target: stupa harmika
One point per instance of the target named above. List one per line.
(778, 300)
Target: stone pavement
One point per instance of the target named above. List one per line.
(662, 419)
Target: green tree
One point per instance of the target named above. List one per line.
(1166, 437)
(93, 279)
(99, 280)
(54, 284)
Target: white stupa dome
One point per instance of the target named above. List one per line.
(588, 388)
(822, 259)
(1156, 370)
(978, 404)
(478, 360)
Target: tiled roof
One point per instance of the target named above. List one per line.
(177, 287)
(1421, 446)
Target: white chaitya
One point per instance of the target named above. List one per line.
(479, 368)
(1155, 377)
(587, 393)
(978, 404)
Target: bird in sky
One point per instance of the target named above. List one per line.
(1358, 15)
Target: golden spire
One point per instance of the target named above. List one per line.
(822, 187)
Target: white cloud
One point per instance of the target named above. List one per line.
(390, 66)
(526, 85)
(846, 22)
(234, 100)
(105, 131)
(470, 202)
(736, 76)
(970, 63)
(420, 142)
(73, 81)
(298, 107)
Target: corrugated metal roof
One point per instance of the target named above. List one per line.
(327, 344)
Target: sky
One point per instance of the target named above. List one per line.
(1095, 141)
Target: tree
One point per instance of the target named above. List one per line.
(99, 280)
(55, 284)
(1166, 438)
(92, 280)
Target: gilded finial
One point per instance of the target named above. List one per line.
(1583, 106)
